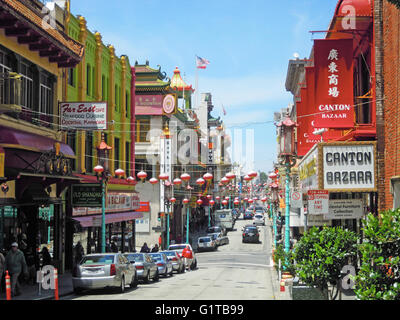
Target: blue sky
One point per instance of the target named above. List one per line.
(248, 43)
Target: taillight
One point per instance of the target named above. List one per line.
(174, 259)
(244, 234)
(113, 270)
(140, 267)
(160, 264)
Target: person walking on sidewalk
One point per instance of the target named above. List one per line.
(188, 255)
(15, 264)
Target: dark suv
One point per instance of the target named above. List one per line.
(250, 234)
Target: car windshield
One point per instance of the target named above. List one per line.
(251, 230)
(259, 216)
(177, 247)
(170, 253)
(156, 256)
(135, 257)
(201, 240)
(106, 259)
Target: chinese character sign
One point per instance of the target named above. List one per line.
(334, 100)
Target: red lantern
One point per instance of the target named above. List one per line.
(98, 169)
(177, 182)
(212, 202)
(224, 202)
(199, 202)
(200, 181)
(185, 177)
(130, 179)
(208, 177)
(236, 202)
(173, 200)
(250, 201)
(153, 181)
(209, 197)
(142, 175)
(185, 201)
(247, 178)
(119, 172)
(218, 198)
(163, 176)
(230, 175)
(252, 174)
(224, 180)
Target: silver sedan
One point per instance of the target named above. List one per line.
(145, 266)
(177, 261)
(163, 263)
(103, 270)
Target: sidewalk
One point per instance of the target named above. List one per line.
(31, 292)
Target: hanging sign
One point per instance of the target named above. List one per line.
(334, 97)
(83, 115)
(345, 209)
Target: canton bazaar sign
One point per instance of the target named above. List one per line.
(340, 167)
(334, 83)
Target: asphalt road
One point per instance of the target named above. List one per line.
(237, 271)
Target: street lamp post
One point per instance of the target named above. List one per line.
(288, 159)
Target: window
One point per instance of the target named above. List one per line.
(71, 77)
(27, 87)
(362, 86)
(142, 129)
(116, 153)
(89, 152)
(4, 85)
(128, 158)
(88, 80)
(117, 98)
(103, 88)
(127, 104)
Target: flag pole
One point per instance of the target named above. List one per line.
(197, 85)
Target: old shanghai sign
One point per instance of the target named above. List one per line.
(83, 115)
(334, 97)
(348, 166)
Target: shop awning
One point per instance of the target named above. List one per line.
(87, 221)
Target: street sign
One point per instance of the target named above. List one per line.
(296, 199)
(345, 209)
(318, 201)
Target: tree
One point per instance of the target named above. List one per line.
(321, 254)
(263, 177)
(379, 275)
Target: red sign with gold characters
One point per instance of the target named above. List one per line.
(334, 98)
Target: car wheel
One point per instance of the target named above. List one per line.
(78, 290)
(156, 277)
(135, 281)
(171, 273)
(147, 279)
(122, 288)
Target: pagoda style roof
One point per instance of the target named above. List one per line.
(177, 82)
(150, 79)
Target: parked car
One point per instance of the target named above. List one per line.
(259, 219)
(206, 244)
(250, 234)
(163, 263)
(145, 266)
(219, 238)
(215, 229)
(179, 248)
(178, 264)
(104, 270)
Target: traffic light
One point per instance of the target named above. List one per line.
(159, 216)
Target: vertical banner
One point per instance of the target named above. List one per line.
(306, 116)
(2, 162)
(334, 97)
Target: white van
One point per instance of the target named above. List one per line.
(224, 218)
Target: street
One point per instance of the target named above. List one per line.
(237, 271)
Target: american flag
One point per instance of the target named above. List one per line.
(201, 62)
(223, 110)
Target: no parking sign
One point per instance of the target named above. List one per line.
(296, 199)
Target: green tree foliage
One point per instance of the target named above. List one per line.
(321, 254)
(379, 275)
(285, 258)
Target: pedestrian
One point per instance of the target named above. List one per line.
(114, 247)
(145, 248)
(2, 269)
(46, 256)
(188, 256)
(16, 264)
(155, 248)
(79, 252)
